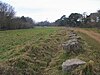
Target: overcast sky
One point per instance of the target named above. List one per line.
(51, 10)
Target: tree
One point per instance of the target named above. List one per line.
(98, 24)
(98, 14)
(75, 19)
(6, 14)
(23, 19)
(63, 21)
(22, 23)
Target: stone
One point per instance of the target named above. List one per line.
(73, 35)
(72, 46)
(71, 64)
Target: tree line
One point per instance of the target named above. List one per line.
(75, 20)
(8, 20)
(80, 20)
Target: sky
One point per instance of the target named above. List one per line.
(51, 10)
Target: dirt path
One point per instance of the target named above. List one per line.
(91, 33)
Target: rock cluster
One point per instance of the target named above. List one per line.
(73, 45)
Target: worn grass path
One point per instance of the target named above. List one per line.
(90, 33)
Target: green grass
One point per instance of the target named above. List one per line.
(12, 39)
(38, 51)
(30, 51)
(92, 51)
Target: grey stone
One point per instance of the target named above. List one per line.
(75, 37)
(72, 46)
(72, 34)
(71, 64)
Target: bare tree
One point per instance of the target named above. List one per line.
(6, 14)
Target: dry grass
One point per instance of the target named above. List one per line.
(34, 56)
(41, 52)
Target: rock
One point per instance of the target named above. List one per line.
(72, 46)
(73, 35)
(71, 30)
(71, 64)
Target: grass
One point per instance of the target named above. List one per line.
(12, 39)
(38, 51)
(92, 51)
(30, 51)
(9, 39)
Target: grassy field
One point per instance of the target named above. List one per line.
(9, 39)
(92, 50)
(38, 51)
(14, 39)
(29, 51)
